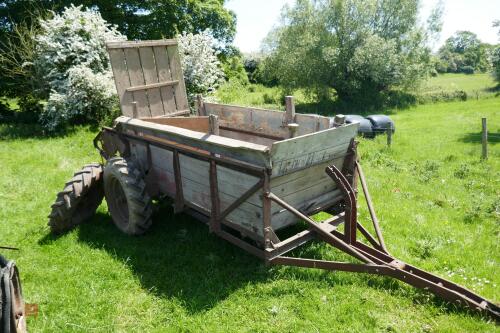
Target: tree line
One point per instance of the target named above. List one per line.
(465, 53)
(363, 51)
(136, 19)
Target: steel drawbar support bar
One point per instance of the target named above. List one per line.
(371, 209)
(329, 237)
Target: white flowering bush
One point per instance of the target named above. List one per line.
(87, 97)
(202, 71)
(72, 57)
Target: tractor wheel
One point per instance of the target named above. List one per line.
(128, 201)
(79, 199)
(12, 308)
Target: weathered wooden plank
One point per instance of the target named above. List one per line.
(137, 78)
(289, 109)
(197, 192)
(200, 109)
(162, 66)
(307, 159)
(178, 113)
(246, 137)
(140, 43)
(240, 150)
(233, 184)
(264, 121)
(163, 164)
(198, 124)
(249, 119)
(176, 71)
(122, 82)
(311, 149)
(196, 185)
(213, 125)
(305, 184)
(310, 123)
(150, 78)
(289, 183)
(153, 85)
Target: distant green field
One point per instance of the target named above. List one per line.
(475, 85)
(439, 207)
(445, 87)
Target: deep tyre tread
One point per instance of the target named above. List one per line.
(79, 199)
(125, 191)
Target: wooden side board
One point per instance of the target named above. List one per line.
(198, 124)
(228, 133)
(267, 122)
(304, 189)
(249, 119)
(244, 151)
(196, 186)
(311, 149)
(310, 123)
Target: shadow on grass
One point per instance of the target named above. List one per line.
(495, 89)
(179, 259)
(476, 138)
(386, 103)
(17, 130)
(10, 131)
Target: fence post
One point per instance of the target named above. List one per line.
(484, 140)
(389, 135)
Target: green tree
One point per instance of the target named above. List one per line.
(464, 52)
(357, 47)
(137, 19)
(495, 55)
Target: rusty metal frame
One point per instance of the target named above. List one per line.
(374, 259)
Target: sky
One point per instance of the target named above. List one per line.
(256, 17)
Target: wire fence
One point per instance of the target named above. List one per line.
(485, 137)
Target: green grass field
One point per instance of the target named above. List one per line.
(476, 85)
(439, 207)
(444, 87)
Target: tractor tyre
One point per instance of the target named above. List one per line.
(128, 201)
(12, 308)
(79, 199)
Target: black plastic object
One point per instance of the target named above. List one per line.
(365, 126)
(381, 123)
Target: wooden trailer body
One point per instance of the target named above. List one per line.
(255, 139)
(247, 172)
